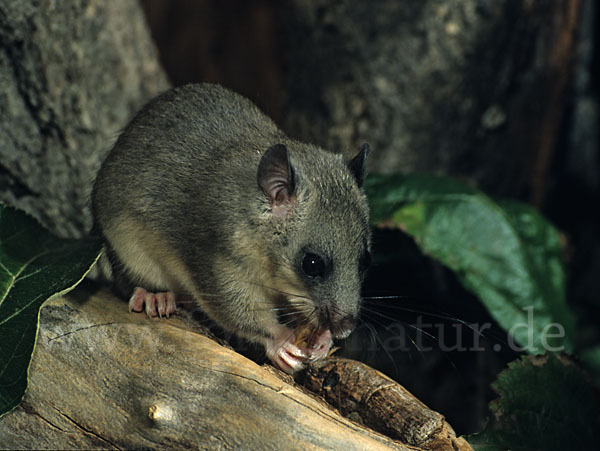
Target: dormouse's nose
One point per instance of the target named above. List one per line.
(340, 323)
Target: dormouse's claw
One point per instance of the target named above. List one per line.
(136, 301)
(154, 304)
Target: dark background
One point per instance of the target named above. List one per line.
(240, 44)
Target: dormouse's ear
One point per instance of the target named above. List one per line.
(358, 163)
(275, 176)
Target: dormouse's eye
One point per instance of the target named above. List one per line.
(313, 265)
(364, 261)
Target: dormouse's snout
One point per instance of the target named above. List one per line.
(341, 324)
(341, 308)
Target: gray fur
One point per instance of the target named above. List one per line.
(185, 171)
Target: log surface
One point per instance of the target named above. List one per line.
(105, 378)
(373, 399)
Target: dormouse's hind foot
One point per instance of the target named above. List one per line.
(155, 304)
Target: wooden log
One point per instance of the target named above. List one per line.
(373, 399)
(105, 378)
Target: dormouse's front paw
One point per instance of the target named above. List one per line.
(290, 356)
(155, 304)
(319, 344)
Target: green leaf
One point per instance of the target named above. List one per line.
(545, 403)
(34, 265)
(506, 253)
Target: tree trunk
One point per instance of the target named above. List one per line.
(71, 75)
(102, 378)
(466, 88)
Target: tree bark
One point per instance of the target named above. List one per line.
(466, 88)
(71, 75)
(103, 378)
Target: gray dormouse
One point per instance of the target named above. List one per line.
(204, 197)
